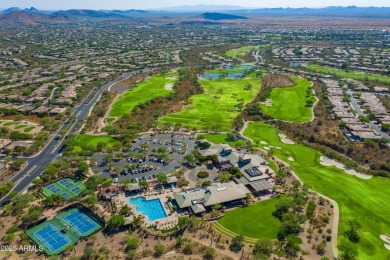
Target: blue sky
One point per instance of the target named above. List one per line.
(152, 4)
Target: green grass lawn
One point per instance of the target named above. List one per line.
(151, 88)
(28, 129)
(349, 74)
(92, 140)
(20, 126)
(368, 201)
(217, 106)
(235, 53)
(289, 104)
(220, 138)
(255, 221)
(110, 119)
(11, 123)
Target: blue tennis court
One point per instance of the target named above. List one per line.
(76, 190)
(81, 222)
(63, 181)
(52, 238)
(65, 195)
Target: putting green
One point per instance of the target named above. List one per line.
(217, 106)
(255, 221)
(368, 201)
(289, 104)
(153, 87)
(236, 53)
(349, 74)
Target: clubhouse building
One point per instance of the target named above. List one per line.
(199, 200)
(256, 179)
(255, 170)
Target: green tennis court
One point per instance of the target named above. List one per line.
(67, 188)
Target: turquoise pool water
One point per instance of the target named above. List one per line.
(153, 209)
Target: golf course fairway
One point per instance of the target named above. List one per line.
(217, 106)
(236, 53)
(349, 74)
(289, 104)
(367, 201)
(153, 87)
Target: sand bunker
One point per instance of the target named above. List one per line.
(171, 78)
(267, 102)
(267, 148)
(169, 86)
(263, 142)
(326, 161)
(290, 159)
(385, 238)
(285, 140)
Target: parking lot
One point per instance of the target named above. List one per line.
(150, 155)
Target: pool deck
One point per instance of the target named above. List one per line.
(163, 223)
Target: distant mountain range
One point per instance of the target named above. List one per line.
(35, 16)
(203, 8)
(13, 9)
(219, 16)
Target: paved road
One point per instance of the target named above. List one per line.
(37, 163)
(359, 112)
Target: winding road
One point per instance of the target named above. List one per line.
(55, 146)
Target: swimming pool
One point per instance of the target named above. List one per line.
(153, 209)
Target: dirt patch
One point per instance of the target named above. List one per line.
(119, 87)
(274, 80)
(326, 161)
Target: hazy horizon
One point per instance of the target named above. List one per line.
(151, 4)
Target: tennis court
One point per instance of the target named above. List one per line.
(67, 188)
(65, 229)
(81, 222)
(52, 238)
